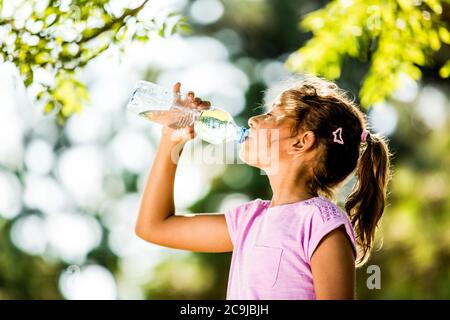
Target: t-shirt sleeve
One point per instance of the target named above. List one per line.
(234, 217)
(321, 223)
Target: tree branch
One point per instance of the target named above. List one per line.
(120, 20)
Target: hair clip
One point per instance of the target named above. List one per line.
(364, 135)
(338, 136)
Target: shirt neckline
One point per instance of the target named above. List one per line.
(267, 203)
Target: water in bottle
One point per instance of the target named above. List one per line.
(158, 104)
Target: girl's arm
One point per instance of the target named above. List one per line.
(157, 222)
(333, 267)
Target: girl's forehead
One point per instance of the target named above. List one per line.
(276, 103)
(277, 99)
(278, 107)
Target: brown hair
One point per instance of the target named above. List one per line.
(321, 107)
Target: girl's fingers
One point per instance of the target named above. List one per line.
(191, 132)
(205, 105)
(190, 96)
(191, 100)
(176, 88)
(197, 101)
(176, 93)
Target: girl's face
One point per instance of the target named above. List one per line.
(269, 139)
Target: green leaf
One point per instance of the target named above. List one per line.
(444, 34)
(434, 5)
(435, 43)
(444, 71)
(184, 28)
(71, 94)
(162, 31)
(183, 25)
(143, 38)
(49, 106)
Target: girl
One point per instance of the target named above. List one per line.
(299, 244)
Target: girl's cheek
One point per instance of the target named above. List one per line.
(262, 148)
(250, 152)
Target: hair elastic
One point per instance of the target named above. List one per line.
(338, 136)
(364, 135)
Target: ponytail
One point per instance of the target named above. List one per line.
(365, 204)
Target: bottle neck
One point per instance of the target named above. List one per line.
(241, 134)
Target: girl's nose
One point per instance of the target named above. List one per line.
(252, 122)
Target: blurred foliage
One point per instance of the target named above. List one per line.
(397, 37)
(192, 276)
(61, 37)
(24, 276)
(415, 232)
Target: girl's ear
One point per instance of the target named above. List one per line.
(302, 142)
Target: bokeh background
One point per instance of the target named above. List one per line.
(73, 161)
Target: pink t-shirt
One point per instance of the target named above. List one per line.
(273, 247)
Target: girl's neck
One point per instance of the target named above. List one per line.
(288, 187)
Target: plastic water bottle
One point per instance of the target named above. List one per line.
(161, 105)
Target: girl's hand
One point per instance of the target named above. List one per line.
(157, 222)
(182, 135)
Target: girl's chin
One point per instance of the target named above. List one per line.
(244, 158)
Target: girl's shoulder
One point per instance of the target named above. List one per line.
(325, 208)
(325, 216)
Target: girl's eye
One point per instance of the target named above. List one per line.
(269, 114)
